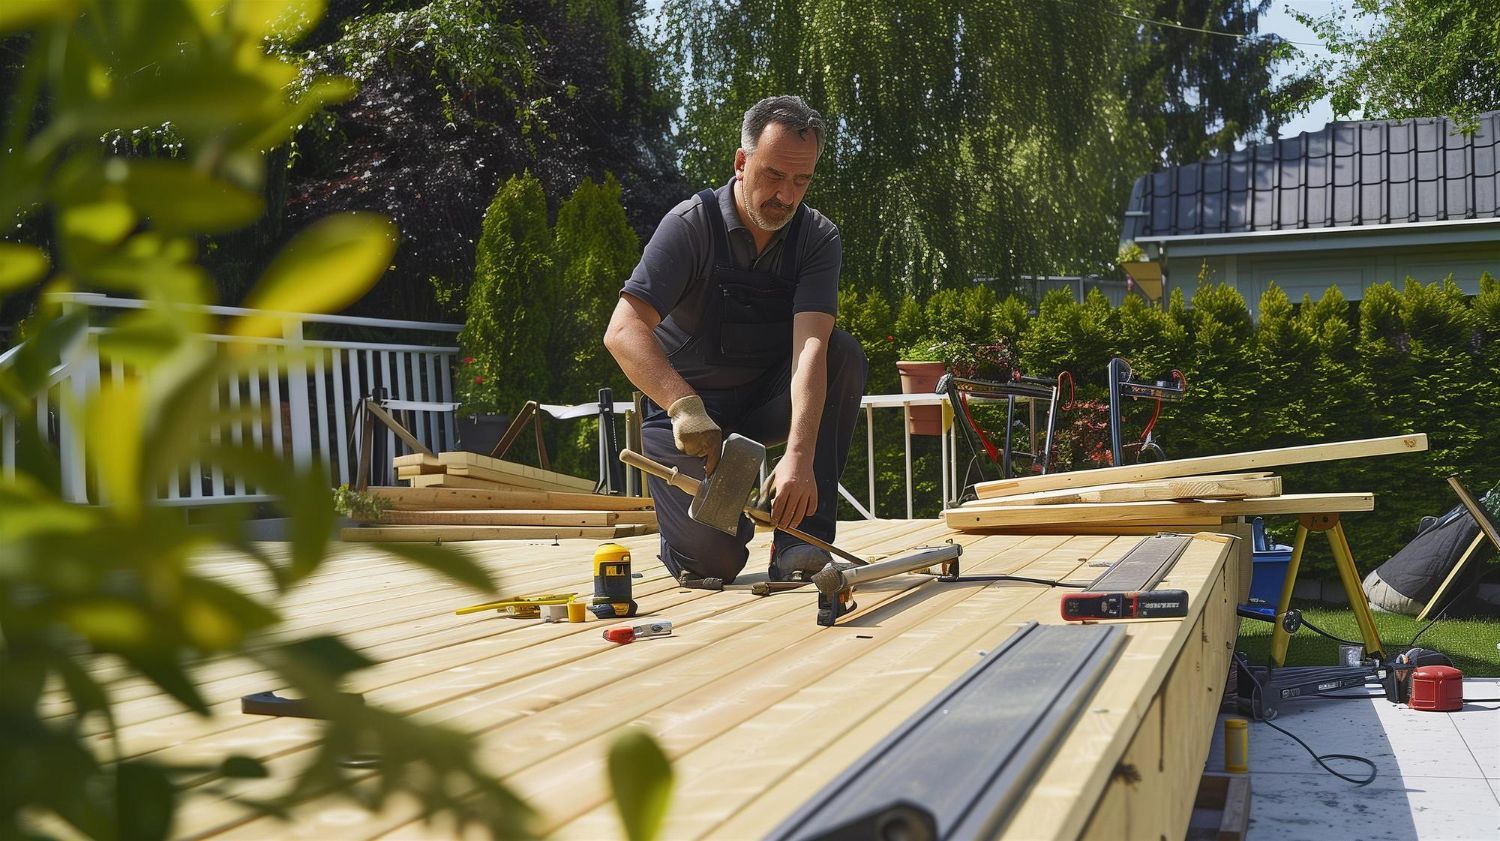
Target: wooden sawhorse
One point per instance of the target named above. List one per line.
(1343, 561)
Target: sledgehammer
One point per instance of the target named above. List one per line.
(719, 500)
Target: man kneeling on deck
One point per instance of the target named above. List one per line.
(726, 325)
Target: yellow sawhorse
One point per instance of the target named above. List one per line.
(1343, 561)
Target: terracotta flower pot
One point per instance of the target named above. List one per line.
(922, 378)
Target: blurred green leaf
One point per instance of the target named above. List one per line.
(111, 624)
(320, 94)
(89, 232)
(327, 267)
(641, 778)
(113, 431)
(179, 199)
(284, 19)
(146, 800)
(330, 656)
(20, 266)
(217, 618)
(141, 339)
(304, 495)
(25, 14)
(243, 767)
(31, 366)
(163, 667)
(447, 561)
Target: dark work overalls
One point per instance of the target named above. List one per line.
(738, 359)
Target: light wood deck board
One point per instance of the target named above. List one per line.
(757, 705)
(535, 679)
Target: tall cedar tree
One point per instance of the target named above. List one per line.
(511, 304)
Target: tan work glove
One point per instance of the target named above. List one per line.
(694, 432)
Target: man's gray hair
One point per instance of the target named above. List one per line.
(789, 111)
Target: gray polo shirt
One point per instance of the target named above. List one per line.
(673, 273)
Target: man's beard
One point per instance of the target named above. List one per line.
(766, 224)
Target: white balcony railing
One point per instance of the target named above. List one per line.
(301, 403)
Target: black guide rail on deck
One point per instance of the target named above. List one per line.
(1145, 565)
(959, 766)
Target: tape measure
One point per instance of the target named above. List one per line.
(1151, 604)
(612, 583)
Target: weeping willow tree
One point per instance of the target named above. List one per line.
(975, 138)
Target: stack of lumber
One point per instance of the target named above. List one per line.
(477, 472)
(1186, 492)
(463, 496)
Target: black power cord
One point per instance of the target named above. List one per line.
(1321, 760)
(1023, 579)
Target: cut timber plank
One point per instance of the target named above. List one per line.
(1230, 486)
(1414, 443)
(432, 534)
(496, 470)
(430, 499)
(417, 464)
(453, 480)
(1128, 512)
(509, 517)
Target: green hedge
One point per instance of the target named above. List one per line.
(1424, 358)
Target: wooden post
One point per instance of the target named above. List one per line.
(296, 387)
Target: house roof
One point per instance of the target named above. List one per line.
(1351, 174)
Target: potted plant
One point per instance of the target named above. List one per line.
(921, 366)
(1143, 273)
(479, 423)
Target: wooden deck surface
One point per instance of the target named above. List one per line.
(756, 704)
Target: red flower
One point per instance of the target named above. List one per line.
(468, 360)
(479, 380)
(890, 338)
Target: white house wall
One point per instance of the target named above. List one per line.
(1351, 270)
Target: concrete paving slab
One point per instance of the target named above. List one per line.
(1437, 772)
(1320, 806)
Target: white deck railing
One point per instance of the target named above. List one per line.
(301, 403)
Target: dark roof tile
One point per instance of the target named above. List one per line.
(1367, 172)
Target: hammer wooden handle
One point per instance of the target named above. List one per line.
(689, 485)
(676, 478)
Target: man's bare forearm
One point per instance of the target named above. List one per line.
(809, 384)
(631, 340)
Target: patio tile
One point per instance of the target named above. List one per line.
(1319, 806)
(1479, 725)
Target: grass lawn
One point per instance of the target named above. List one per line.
(1469, 641)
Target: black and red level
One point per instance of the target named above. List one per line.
(1150, 604)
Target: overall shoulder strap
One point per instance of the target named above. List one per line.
(791, 255)
(721, 255)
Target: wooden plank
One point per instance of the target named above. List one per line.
(509, 517)
(473, 464)
(428, 499)
(453, 480)
(406, 471)
(1229, 486)
(848, 740)
(419, 460)
(1230, 462)
(1126, 512)
(432, 534)
(519, 688)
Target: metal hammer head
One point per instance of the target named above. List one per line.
(724, 494)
